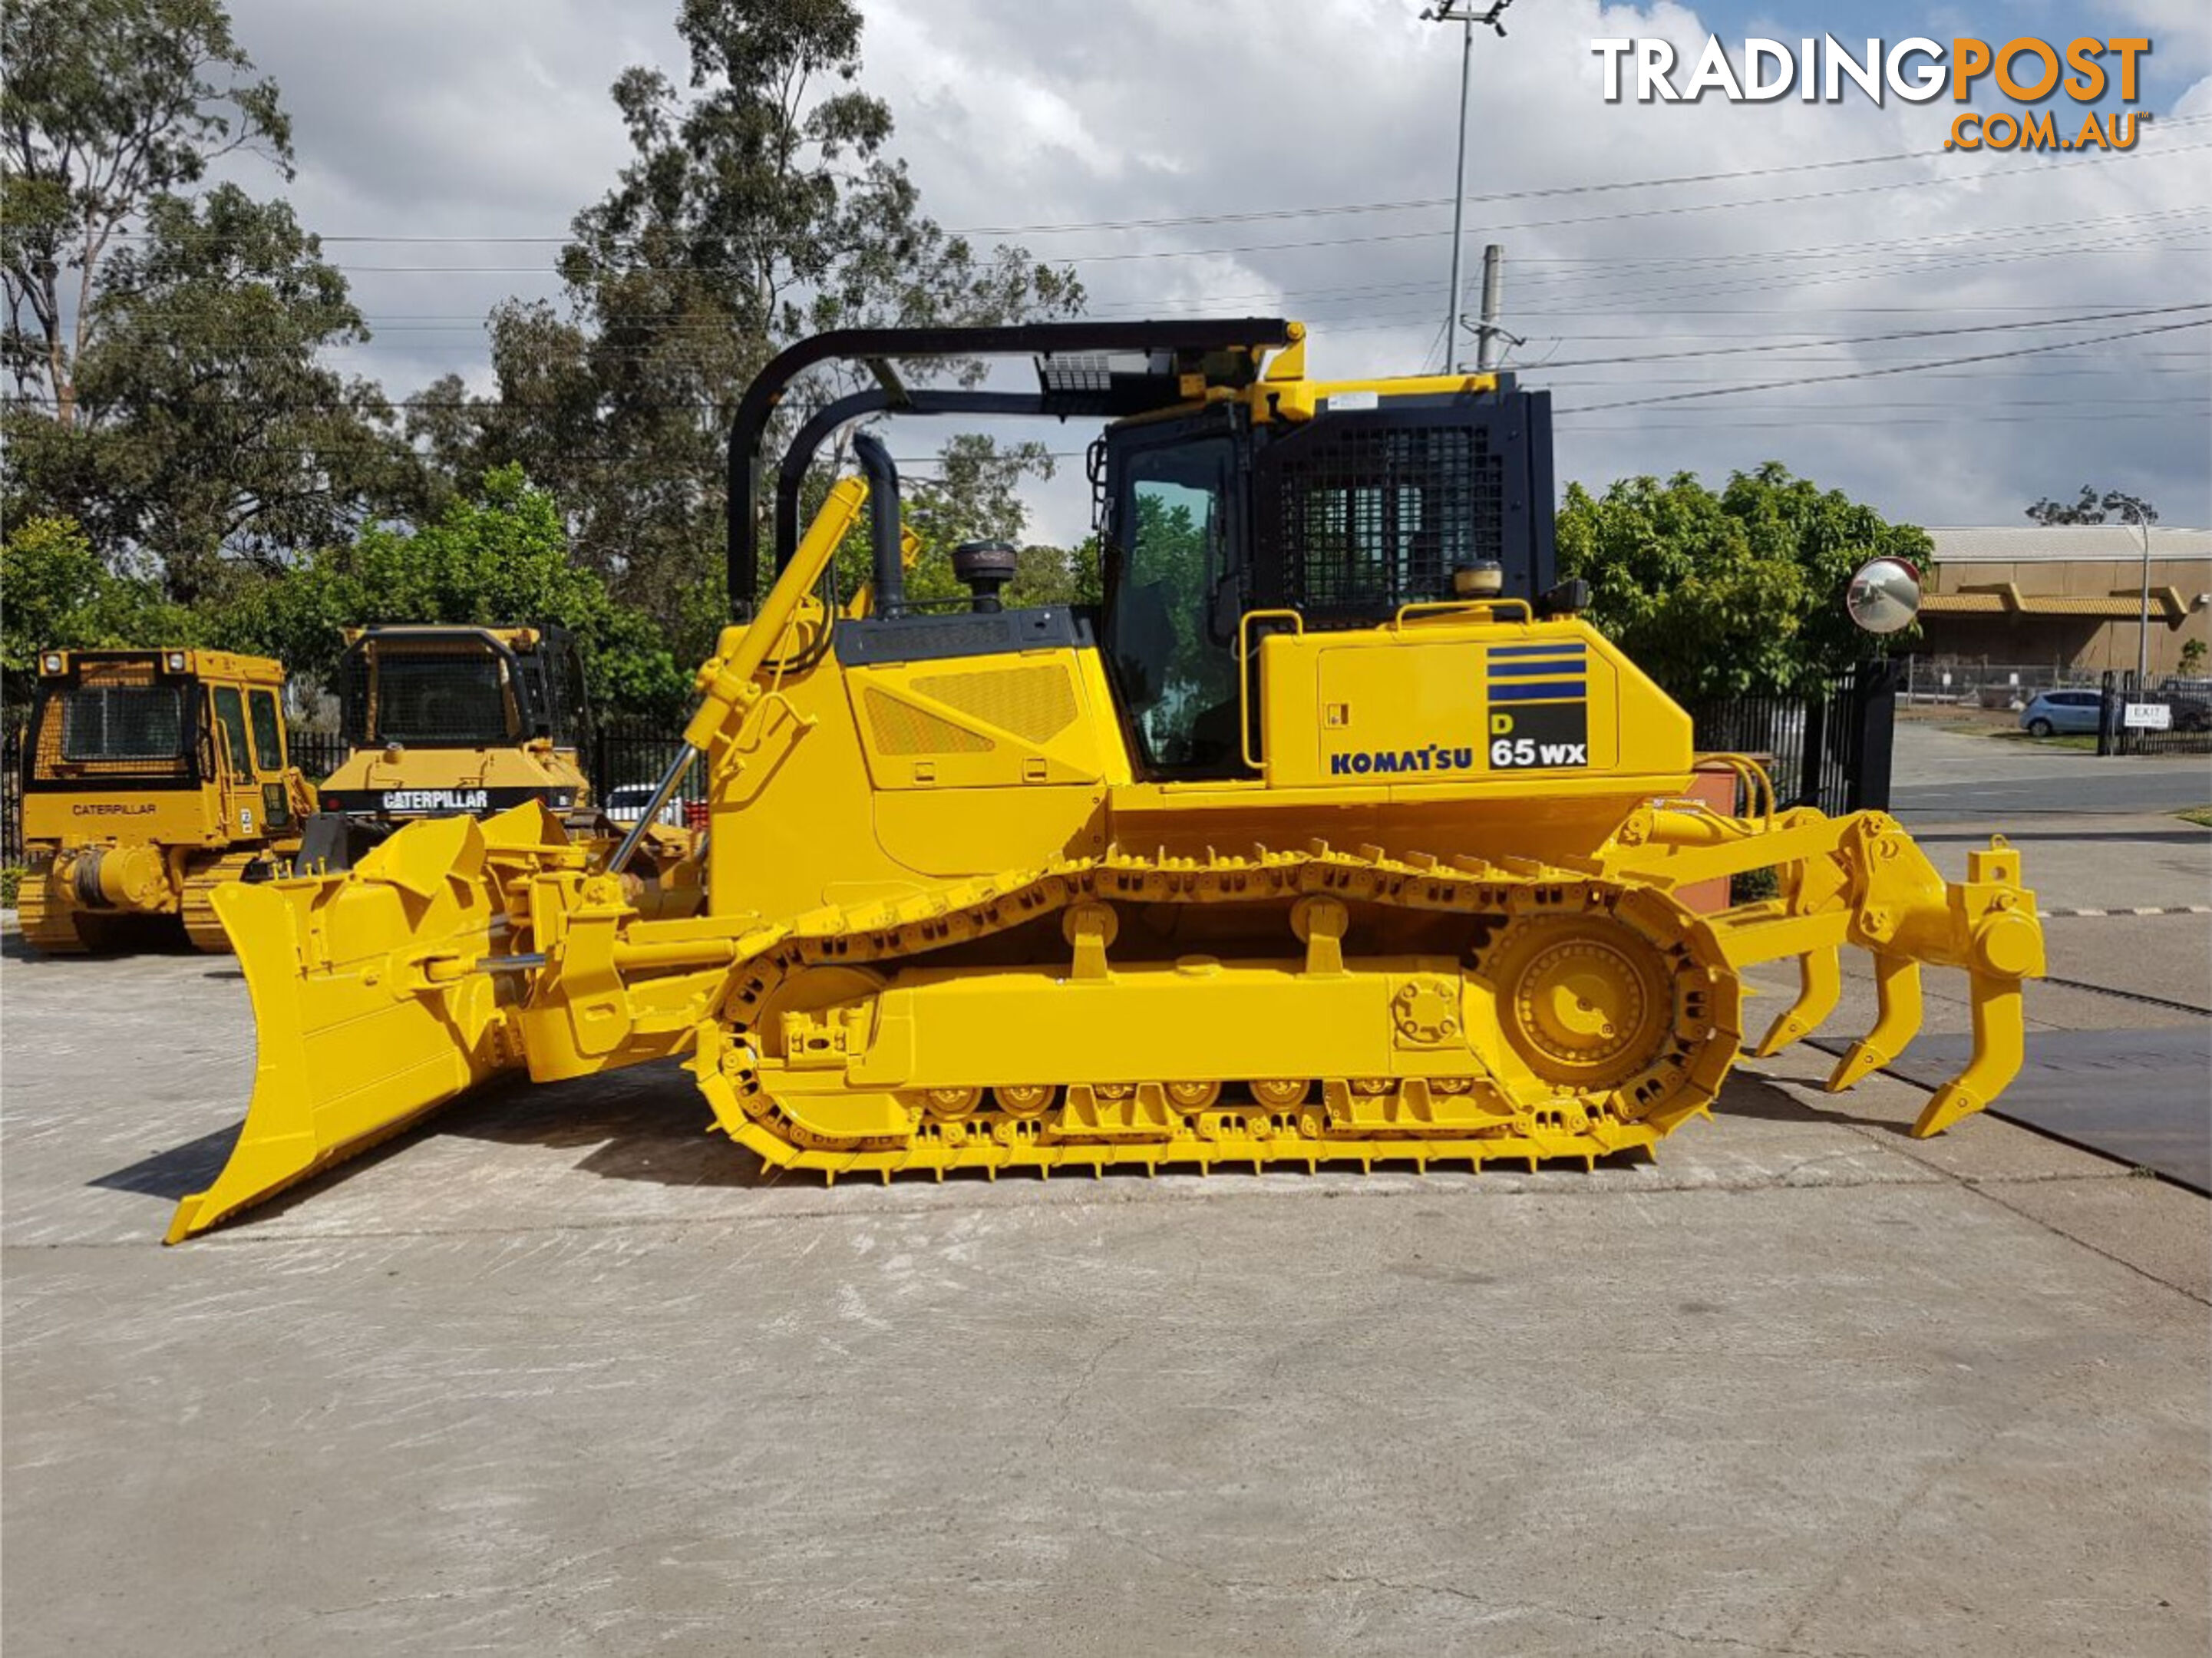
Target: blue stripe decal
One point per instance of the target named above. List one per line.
(1527, 670)
(1539, 650)
(1571, 690)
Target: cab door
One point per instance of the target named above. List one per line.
(240, 790)
(1174, 591)
(264, 719)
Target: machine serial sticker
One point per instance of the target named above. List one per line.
(1538, 705)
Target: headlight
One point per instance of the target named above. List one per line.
(176, 662)
(52, 664)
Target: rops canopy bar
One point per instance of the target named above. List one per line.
(885, 345)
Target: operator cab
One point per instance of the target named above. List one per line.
(155, 722)
(1226, 484)
(461, 688)
(1371, 502)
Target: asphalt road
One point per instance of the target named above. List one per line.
(1952, 775)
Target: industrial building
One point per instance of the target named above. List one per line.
(2066, 596)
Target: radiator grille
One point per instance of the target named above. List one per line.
(1035, 704)
(118, 721)
(427, 694)
(901, 728)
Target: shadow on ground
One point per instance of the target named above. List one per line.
(1754, 1097)
(191, 1167)
(648, 1124)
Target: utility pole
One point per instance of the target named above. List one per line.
(1493, 295)
(1457, 11)
(2142, 633)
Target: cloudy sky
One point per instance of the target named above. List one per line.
(484, 126)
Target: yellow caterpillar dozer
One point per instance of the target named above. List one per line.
(446, 719)
(150, 778)
(1334, 834)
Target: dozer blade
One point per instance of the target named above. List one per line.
(368, 1009)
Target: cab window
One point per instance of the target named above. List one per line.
(230, 714)
(268, 731)
(123, 722)
(1181, 683)
(449, 700)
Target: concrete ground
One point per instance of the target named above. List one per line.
(562, 1373)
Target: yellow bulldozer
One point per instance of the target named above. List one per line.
(446, 719)
(150, 778)
(1334, 834)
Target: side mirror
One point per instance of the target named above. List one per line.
(1884, 595)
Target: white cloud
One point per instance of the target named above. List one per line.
(2178, 29)
(417, 117)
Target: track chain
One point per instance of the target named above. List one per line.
(196, 904)
(1680, 1083)
(43, 929)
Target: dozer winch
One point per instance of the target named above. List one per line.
(1334, 834)
(150, 778)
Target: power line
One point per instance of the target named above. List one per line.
(1908, 334)
(1874, 374)
(1268, 214)
(1991, 174)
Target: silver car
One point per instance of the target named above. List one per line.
(2054, 712)
(626, 804)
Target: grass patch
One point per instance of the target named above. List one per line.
(2199, 814)
(2080, 741)
(11, 878)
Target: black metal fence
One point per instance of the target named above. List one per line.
(2171, 716)
(625, 756)
(11, 797)
(317, 753)
(1831, 747)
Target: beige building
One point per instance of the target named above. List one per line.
(2068, 596)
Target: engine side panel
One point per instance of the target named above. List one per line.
(1459, 703)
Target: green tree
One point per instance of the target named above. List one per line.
(2092, 508)
(762, 203)
(1714, 594)
(60, 596)
(108, 104)
(208, 430)
(499, 557)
